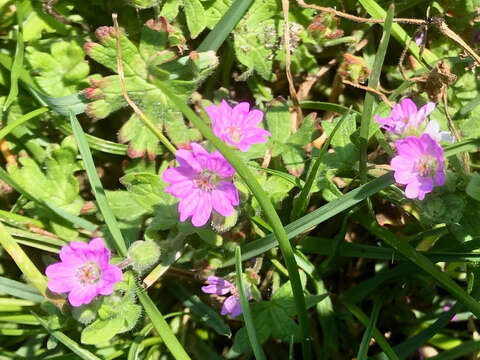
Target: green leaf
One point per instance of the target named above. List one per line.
(63, 71)
(257, 35)
(152, 55)
(170, 9)
(101, 331)
(57, 186)
(148, 191)
(261, 319)
(473, 187)
(196, 18)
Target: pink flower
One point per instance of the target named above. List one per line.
(202, 182)
(405, 119)
(84, 272)
(419, 164)
(219, 286)
(237, 126)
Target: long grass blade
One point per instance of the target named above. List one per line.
(6, 130)
(426, 265)
(158, 321)
(266, 205)
(315, 217)
(373, 80)
(367, 335)
(224, 27)
(65, 340)
(97, 186)
(17, 64)
(20, 290)
(398, 33)
(301, 202)
(247, 313)
(27, 267)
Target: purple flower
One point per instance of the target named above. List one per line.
(446, 307)
(84, 272)
(219, 286)
(418, 165)
(237, 126)
(202, 182)
(419, 38)
(405, 119)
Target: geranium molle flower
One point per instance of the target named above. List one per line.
(219, 286)
(237, 126)
(405, 119)
(202, 182)
(84, 272)
(419, 165)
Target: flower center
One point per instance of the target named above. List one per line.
(235, 133)
(427, 166)
(88, 273)
(206, 181)
(234, 291)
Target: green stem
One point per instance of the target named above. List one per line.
(168, 337)
(264, 202)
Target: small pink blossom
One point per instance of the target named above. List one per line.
(419, 165)
(219, 286)
(405, 119)
(202, 182)
(84, 272)
(237, 126)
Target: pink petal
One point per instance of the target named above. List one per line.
(229, 190)
(186, 159)
(440, 177)
(221, 203)
(180, 189)
(61, 285)
(173, 175)
(81, 295)
(213, 113)
(239, 113)
(254, 118)
(202, 212)
(61, 271)
(219, 165)
(217, 285)
(409, 108)
(187, 205)
(98, 252)
(412, 190)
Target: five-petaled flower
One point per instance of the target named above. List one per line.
(419, 165)
(219, 286)
(405, 119)
(202, 182)
(84, 272)
(237, 126)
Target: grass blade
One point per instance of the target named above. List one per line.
(326, 106)
(367, 335)
(209, 316)
(420, 260)
(410, 345)
(16, 66)
(316, 217)
(381, 341)
(6, 130)
(20, 290)
(265, 203)
(222, 30)
(467, 347)
(247, 313)
(65, 340)
(97, 187)
(398, 33)
(373, 80)
(301, 202)
(27, 267)
(162, 327)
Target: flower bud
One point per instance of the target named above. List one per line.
(143, 254)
